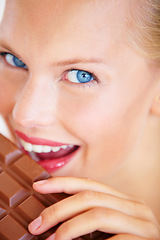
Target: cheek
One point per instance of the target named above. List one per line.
(6, 98)
(98, 126)
(10, 86)
(93, 116)
(80, 112)
(107, 123)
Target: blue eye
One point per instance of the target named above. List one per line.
(79, 76)
(14, 61)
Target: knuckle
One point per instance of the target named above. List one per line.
(105, 218)
(152, 231)
(89, 180)
(148, 213)
(131, 204)
(100, 213)
(49, 212)
(144, 211)
(54, 210)
(88, 196)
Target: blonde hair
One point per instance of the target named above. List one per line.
(144, 35)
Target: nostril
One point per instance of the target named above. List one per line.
(24, 115)
(22, 121)
(35, 106)
(28, 116)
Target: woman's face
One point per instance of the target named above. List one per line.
(81, 95)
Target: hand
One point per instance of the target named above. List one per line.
(93, 206)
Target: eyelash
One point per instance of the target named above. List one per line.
(3, 54)
(80, 84)
(69, 71)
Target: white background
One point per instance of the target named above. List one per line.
(3, 128)
(2, 5)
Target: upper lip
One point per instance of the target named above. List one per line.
(38, 141)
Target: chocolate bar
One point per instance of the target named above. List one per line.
(19, 203)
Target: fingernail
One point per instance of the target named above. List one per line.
(40, 182)
(35, 224)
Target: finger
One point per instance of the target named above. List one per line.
(116, 237)
(126, 237)
(108, 221)
(52, 237)
(75, 204)
(71, 185)
(102, 219)
(83, 201)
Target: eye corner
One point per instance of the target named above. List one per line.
(13, 61)
(3, 53)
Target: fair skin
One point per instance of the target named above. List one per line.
(114, 119)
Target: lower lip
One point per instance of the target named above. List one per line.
(52, 165)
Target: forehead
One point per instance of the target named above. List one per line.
(67, 22)
(65, 8)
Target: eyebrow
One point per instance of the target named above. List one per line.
(79, 60)
(60, 63)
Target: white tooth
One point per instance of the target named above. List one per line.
(46, 149)
(55, 149)
(71, 145)
(64, 146)
(37, 148)
(22, 141)
(28, 147)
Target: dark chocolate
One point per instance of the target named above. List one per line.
(19, 203)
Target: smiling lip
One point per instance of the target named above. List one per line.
(50, 155)
(38, 141)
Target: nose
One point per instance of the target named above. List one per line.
(36, 103)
